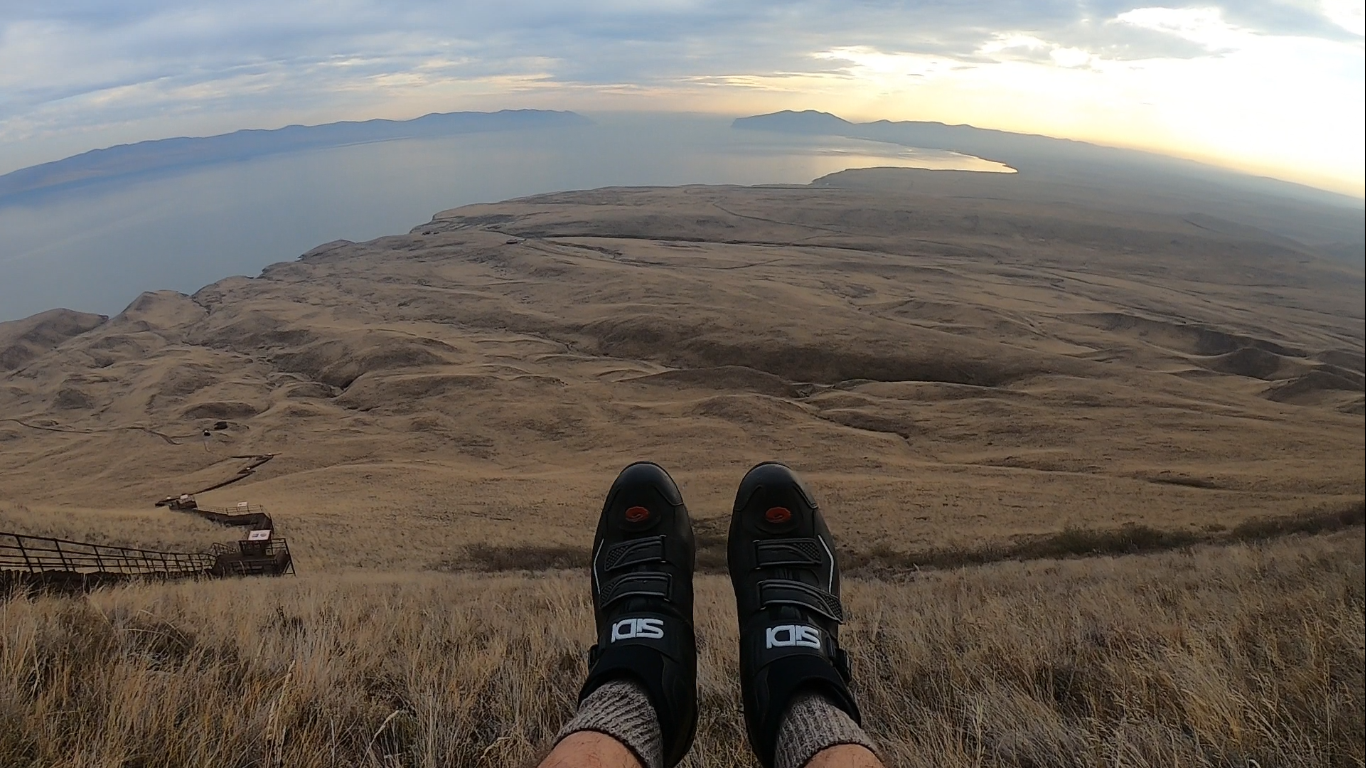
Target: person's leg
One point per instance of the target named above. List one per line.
(794, 676)
(845, 756)
(615, 725)
(816, 734)
(589, 749)
(639, 703)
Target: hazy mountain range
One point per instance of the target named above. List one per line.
(1076, 172)
(161, 154)
(1028, 152)
(1061, 170)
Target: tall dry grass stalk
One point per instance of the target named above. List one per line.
(1215, 657)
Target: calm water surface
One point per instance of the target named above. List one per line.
(95, 249)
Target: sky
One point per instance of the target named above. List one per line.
(1272, 87)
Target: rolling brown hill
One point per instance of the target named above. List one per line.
(965, 370)
(947, 370)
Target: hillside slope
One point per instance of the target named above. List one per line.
(945, 370)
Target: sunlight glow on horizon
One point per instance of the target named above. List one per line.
(1210, 110)
(1191, 82)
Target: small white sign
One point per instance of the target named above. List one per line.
(242, 505)
(258, 536)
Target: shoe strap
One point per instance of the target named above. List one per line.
(769, 692)
(789, 592)
(634, 552)
(637, 585)
(661, 657)
(776, 552)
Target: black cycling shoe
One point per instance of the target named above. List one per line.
(787, 593)
(643, 556)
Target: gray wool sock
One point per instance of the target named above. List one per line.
(811, 725)
(621, 709)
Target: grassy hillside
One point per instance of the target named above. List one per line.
(1216, 656)
(1096, 474)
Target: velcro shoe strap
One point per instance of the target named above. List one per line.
(770, 692)
(771, 552)
(659, 652)
(634, 552)
(637, 585)
(787, 592)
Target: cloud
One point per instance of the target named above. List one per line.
(54, 50)
(75, 74)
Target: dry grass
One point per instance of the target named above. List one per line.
(150, 528)
(1216, 656)
(883, 561)
(960, 381)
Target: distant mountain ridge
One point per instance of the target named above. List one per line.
(162, 154)
(1022, 151)
(1077, 172)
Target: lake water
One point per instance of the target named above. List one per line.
(96, 248)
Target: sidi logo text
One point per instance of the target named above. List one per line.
(790, 635)
(626, 629)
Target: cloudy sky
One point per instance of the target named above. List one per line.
(1270, 86)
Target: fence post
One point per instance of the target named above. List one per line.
(61, 555)
(27, 563)
(99, 561)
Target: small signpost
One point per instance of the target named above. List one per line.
(256, 544)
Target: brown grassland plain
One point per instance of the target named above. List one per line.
(997, 399)
(1219, 656)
